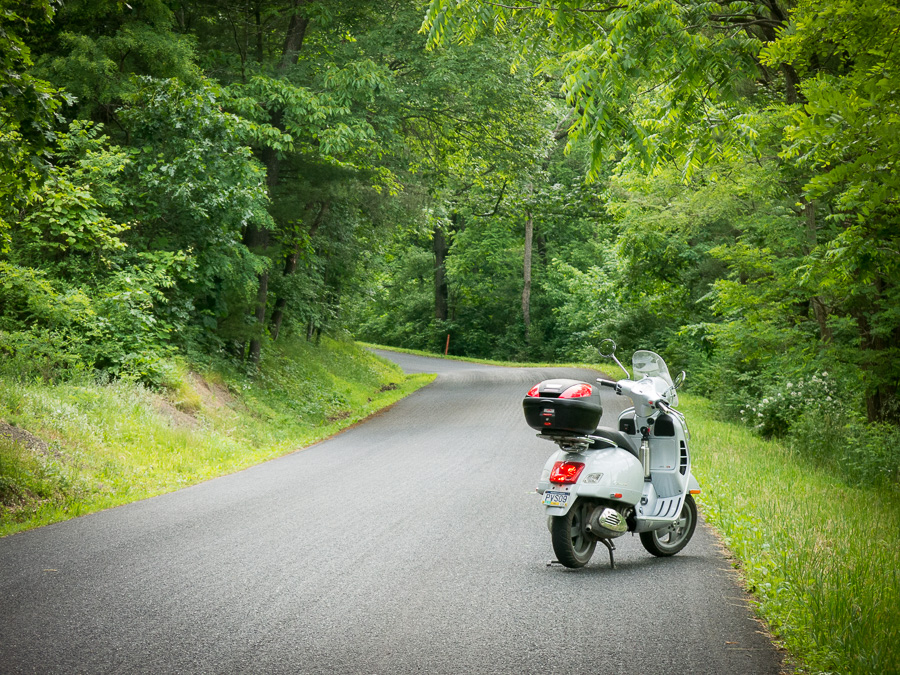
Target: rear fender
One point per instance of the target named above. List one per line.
(610, 474)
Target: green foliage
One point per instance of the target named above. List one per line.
(123, 253)
(586, 307)
(398, 305)
(657, 78)
(57, 331)
(812, 276)
(67, 225)
(94, 49)
(847, 130)
(29, 109)
(196, 187)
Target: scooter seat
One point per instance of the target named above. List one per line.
(617, 438)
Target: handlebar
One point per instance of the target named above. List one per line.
(638, 393)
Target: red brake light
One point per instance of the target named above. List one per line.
(577, 391)
(566, 473)
(533, 391)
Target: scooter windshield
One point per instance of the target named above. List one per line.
(650, 364)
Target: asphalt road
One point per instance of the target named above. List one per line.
(412, 543)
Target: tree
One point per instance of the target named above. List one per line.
(698, 84)
(288, 70)
(846, 134)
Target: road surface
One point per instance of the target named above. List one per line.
(412, 543)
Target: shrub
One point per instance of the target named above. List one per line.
(785, 401)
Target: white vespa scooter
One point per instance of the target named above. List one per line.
(605, 482)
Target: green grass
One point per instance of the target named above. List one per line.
(116, 443)
(821, 557)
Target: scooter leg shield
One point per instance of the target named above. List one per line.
(693, 485)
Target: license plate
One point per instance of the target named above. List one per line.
(555, 498)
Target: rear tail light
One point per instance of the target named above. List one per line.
(533, 391)
(577, 391)
(566, 473)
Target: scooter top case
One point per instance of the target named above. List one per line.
(563, 405)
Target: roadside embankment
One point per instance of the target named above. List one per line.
(74, 448)
(820, 556)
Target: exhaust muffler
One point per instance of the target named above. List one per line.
(605, 523)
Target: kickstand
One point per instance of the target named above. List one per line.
(612, 547)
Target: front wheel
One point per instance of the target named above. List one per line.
(670, 540)
(572, 543)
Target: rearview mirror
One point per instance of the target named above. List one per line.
(607, 348)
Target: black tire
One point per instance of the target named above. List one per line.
(572, 543)
(670, 540)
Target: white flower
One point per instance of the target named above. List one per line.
(825, 374)
(789, 385)
(759, 414)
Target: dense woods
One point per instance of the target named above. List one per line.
(716, 181)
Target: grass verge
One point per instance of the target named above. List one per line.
(820, 557)
(71, 449)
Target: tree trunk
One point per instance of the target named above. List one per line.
(526, 288)
(792, 85)
(293, 39)
(257, 240)
(256, 343)
(441, 292)
(870, 346)
(290, 266)
(882, 393)
(257, 15)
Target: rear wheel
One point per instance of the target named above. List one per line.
(572, 543)
(670, 540)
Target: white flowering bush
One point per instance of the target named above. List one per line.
(783, 404)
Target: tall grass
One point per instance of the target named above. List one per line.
(820, 555)
(108, 444)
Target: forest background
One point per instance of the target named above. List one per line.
(714, 181)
